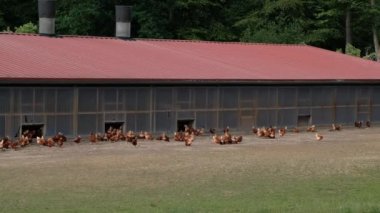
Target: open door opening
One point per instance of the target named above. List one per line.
(303, 120)
(33, 130)
(113, 125)
(181, 124)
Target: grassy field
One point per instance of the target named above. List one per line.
(291, 174)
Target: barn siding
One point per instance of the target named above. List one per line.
(80, 110)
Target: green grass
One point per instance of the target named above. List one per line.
(220, 194)
(175, 179)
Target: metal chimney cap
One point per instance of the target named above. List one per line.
(46, 8)
(123, 13)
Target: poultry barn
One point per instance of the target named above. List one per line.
(77, 85)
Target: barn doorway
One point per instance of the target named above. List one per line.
(181, 124)
(303, 120)
(36, 130)
(114, 125)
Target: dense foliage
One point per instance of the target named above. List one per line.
(329, 24)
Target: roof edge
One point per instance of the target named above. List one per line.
(22, 81)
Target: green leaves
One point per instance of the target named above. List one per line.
(27, 28)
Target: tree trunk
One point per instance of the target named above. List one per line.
(348, 26)
(375, 38)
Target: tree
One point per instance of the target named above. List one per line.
(27, 28)
(82, 18)
(375, 19)
(15, 13)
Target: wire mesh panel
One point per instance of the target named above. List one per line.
(322, 96)
(2, 126)
(266, 118)
(163, 99)
(50, 100)
(119, 117)
(87, 124)
(38, 102)
(375, 96)
(15, 126)
(130, 99)
(229, 98)
(212, 98)
(345, 96)
(247, 119)
(87, 100)
(143, 122)
(100, 125)
(16, 101)
(207, 119)
(287, 117)
(38, 118)
(50, 125)
(267, 97)
(229, 118)
(248, 97)
(64, 124)
(143, 99)
(164, 121)
(183, 98)
(65, 98)
(375, 114)
(363, 94)
(205, 98)
(138, 122)
(345, 115)
(185, 115)
(363, 117)
(109, 99)
(200, 98)
(5, 100)
(287, 97)
(304, 96)
(27, 100)
(324, 116)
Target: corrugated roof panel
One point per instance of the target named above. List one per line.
(40, 57)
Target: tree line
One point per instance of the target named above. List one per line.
(349, 25)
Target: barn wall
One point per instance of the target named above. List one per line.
(81, 110)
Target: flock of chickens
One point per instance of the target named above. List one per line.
(114, 135)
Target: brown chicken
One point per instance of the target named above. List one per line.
(282, 131)
(93, 137)
(368, 124)
(134, 141)
(358, 124)
(24, 140)
(237, 139)
(50, 142)
(15, 145)
(130, 136)
(41, 141)
(60, 142)
(311, 128)
(335, 127)
(318, 136)
(179, 136)
(163, 137)
(148, 136)
(189, 138)
(216, 139)
(77, 139)
(141, 135)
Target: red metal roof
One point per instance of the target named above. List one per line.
(34, 57)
